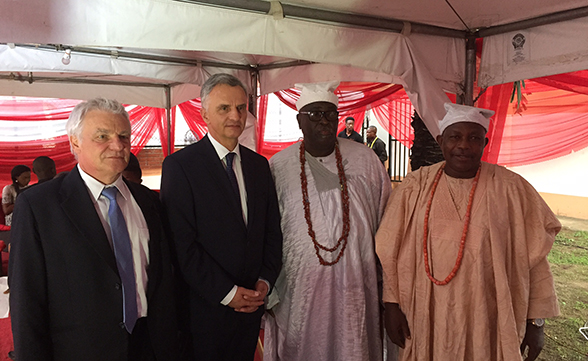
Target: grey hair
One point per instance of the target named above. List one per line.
(75, 123)
(217, 79)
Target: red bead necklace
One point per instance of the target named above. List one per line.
(344, 199)
(464, 233)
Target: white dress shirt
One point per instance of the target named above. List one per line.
(136, 225)
(222, 152)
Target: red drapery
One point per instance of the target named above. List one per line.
(395, 117)
(191, 112)
(552, 121)
(354, 99)
(144, 122)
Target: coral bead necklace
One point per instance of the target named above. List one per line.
(342, 242)
(464, 233)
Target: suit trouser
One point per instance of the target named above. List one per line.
(140, 348)
(225, 335)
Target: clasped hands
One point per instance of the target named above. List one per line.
(247, 300)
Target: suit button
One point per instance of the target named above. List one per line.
(122, 325)
(117, 286)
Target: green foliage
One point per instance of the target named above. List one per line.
(569, 264)
(517, 89)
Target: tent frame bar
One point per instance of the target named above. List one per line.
(30, 78)
(160, 58)
(566, 15)
(305, 13)
(387, 24)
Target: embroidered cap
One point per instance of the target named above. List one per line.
(317, 92)
(457, 113)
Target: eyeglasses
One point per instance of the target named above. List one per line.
(316, 116)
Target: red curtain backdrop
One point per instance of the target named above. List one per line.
(551, 122)
(144, 122)
(191, 112)
(395, 117)
(354, 99)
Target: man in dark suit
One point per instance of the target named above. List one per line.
(222, 208)
(90, 271)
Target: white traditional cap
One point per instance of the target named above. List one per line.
(317, 92)
(457, 113)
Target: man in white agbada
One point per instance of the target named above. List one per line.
(327, 294)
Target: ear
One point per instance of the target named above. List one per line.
(485, 142)
(298, 119)
(75, 143)
(440, 139)
(204, 114)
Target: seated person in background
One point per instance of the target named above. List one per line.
(21, 176)
(44, 169)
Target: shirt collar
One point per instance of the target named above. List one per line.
(95, 186)
(221, 150)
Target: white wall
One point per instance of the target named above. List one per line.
(567, 175)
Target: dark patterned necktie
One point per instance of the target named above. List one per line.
(124, 258)
(232, 177)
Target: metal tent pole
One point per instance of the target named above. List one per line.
(168, 116)
(470, 71)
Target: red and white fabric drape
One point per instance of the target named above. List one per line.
(552, 121)
(144, 122)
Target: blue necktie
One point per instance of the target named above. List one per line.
(124, 258)
(232, 177)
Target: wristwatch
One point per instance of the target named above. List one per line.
(538, 322)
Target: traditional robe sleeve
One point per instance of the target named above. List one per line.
(544, 227)
(393, 232)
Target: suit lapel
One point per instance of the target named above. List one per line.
(220, 178)
(78, 206)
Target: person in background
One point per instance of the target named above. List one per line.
(349, 131)
(133, 172)
(21, 176)
(44, 169)
(463, 246)
(376, 144)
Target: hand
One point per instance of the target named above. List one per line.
(246, 300)
(262, 288)
(396, 324)
(535, 340)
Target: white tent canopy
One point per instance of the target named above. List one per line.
(158, 52)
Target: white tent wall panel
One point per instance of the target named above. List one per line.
(547, 50)
(166, 24)
(126, 94)
(273, 80)
(444, 58)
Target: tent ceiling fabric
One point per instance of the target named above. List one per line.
(475, 13)
(536, 52)
(189, 33)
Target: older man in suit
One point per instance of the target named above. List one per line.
(223, 211)
(90, 267)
